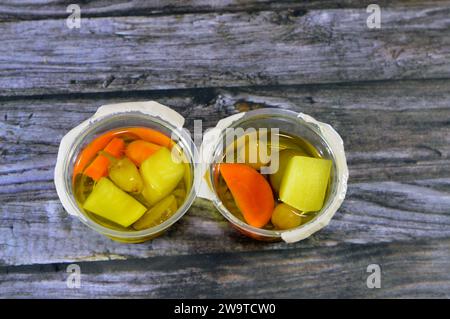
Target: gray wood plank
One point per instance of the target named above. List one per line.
(408, 270)
(38, 231)
(385, 137)
(28, 9)
(398, 152)
(222, 49)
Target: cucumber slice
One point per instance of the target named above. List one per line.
(158, 213)
(110, 202)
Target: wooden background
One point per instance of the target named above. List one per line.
(386, 91)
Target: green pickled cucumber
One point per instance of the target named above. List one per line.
(125, 174)
(158, 213)
(110, 202)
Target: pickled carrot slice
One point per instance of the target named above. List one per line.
(116, 147)
(251, 191)
(101, 141)
(98, 168)
(139, 150)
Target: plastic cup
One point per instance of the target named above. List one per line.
(320, 135)
(139, 114)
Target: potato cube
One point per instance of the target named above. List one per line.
(305, 182)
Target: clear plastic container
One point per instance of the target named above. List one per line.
(322, 136)
(201, 169)
(139, 114)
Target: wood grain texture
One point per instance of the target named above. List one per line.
(386, 92)
(29, 10)
(306, 272)
(223, 49)
(397, 149)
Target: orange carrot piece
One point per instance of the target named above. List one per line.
(251, 191)
(98, 168)
(152, 136)
(139, 150)
(90, 151)
(116, 147)
(100, 142)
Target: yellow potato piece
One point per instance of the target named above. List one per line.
(284, 158)
(161, 174)
(305, 182)
(110, 202)
(158, 213)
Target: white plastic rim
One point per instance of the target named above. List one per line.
(336, 145)
(210, 139)
(154, 110)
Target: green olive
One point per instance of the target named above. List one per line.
(287, 217)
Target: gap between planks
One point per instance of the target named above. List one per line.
(42, 11)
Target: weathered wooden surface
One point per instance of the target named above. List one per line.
(223, 49)
(32, 10)
(294, 273)
(392, 110)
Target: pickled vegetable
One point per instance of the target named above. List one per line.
(99, 143)
(125, 174)
(116, 147)
(251, 191)
(287, 217)
(139, 150)
(283, 216)
(158, 213)
(88, 154)
(255, 152)
(110, 202)
(150, 135)
(161, 174)
(284, 158)
(86, 185)
(98, 168)
(180, 195)
(305, 182)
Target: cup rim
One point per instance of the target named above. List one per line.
(67, 152)
(319, 221)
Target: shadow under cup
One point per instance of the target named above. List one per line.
(117, 121)
(298, 125)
